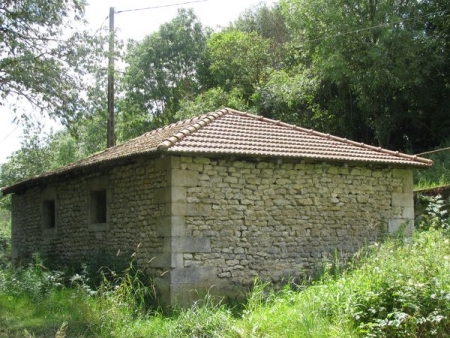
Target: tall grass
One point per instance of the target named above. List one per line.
(400, 288)
(439, 174)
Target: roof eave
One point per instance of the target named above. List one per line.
(75, 171)
(416, 164)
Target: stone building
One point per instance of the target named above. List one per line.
(212, 202)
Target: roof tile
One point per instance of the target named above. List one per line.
(230, 132)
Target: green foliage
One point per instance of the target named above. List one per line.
(436, 213)
(439, 174)
(130, 291)
(373, 59)
(33, 301)
(245, 67)
(45, 57)
(289, 97)
(409, 289)
(34, 281)
(206, 318)
(375, 72)
(211, 100)
(268, 22)
(162, 70)
(39, 153)
(372, 71)
(396, 289)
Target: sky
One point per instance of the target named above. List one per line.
(133, 24)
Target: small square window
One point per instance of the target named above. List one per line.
(49, 213)
(97, 212)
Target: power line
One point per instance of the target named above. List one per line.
(379, 26)
(162, 6)
(4, 139)
(101, 26)
(433, 151)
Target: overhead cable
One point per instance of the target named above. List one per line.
(161, 6)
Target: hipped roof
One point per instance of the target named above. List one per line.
(234, 133)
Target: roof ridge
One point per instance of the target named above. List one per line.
(174, 124)
(332, 137)
(201, 121)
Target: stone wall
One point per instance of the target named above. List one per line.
(214, 225)
(130, 226)
(237, 220)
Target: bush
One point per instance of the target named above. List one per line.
(436, 215)
(407, 289)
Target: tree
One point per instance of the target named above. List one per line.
(43, 60)
(238, 60)
(269, 23)
(290, 97)
(39, 153)
(211, 100)
(373, 58)
(162, 70)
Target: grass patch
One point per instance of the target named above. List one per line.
(400, 288)
(64, 308)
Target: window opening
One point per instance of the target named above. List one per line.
(97, 207)
(49, 214)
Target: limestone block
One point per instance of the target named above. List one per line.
(192, 275)
(183, 178)
(197, 209)
(185, 159)
(162, 164)
(356, 172)
(162, 195)
(194, 166)
(178, 194)
(305, 201)
(402, 199)
(187, 244)
(202, 160)
(333, 170)
(175, 209)
(170, 226)
(166, 260)
(401, 173)
(377, 174)
(163, 293)
(396, 224)
(408, 213)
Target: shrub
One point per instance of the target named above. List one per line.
(436, 215)
(407, 289)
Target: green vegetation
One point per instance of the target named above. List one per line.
(439, 174)
(45, 57)
(400, 288)
(374, 72)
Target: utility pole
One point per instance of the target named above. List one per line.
(110, 137)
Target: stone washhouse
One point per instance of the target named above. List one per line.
(210, 203)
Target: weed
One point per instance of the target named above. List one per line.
(206, 318)
(436, 214)
(394, 289)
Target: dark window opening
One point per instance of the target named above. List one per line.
(97, 212)
(49, 214)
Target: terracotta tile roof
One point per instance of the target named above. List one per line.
(230, 132)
